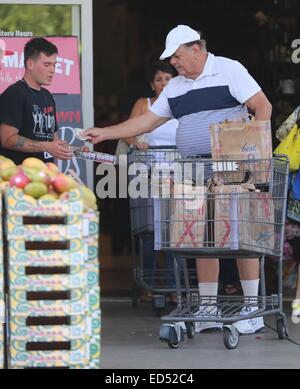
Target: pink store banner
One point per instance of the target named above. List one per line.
(67, 77)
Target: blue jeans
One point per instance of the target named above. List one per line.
(149, 260)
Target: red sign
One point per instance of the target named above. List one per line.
(67, 77)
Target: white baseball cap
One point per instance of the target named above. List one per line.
(178, 36)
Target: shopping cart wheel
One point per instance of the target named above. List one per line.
(173, 345)
(172, 334)
(190, 330)
(135, 298)
(231, 337)
(282, 329)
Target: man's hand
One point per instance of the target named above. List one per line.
(95, 135)
(143, 146)
(59, 150)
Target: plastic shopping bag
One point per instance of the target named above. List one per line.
(290, 146)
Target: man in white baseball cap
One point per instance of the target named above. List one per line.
(209, 89)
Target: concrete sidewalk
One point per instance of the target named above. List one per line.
(130, 340)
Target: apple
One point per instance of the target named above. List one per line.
(62, 183)
(20, 180)
(36, 190)
(34, 163)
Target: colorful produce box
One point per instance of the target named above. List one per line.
(17, 203)
(76, 254)
(49, 333)
(47, 283)
(77, 305)
(16, 230)
(20, 358)
(91, 224)
(92, 249)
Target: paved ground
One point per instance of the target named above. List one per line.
(130, 340)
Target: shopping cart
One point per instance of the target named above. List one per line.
(144, 212)
(240, 221)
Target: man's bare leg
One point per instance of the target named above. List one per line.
(208, 275)
(248, 269)
(208, 270)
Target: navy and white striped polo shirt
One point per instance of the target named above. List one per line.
(218, 94)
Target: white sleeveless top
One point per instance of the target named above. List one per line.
(164, 135)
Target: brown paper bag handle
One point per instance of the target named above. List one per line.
(240, 124)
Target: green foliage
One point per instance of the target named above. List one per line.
(39, 19)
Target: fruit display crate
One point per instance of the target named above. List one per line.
(54, 288)
(31, 220)
(60, 335)
(40, 294)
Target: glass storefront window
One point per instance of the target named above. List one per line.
(27, 18)
(38, 19)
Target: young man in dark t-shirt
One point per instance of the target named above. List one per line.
(28, 126)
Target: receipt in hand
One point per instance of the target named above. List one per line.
(78, 133)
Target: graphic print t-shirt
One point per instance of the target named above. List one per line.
(33, 113)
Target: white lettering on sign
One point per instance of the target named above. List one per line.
(16, 61)
(64, 66)
(296, 52)
(18, 33)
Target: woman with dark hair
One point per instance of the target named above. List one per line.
(160, 74)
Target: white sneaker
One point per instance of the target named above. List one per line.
(296, 312)
(208, 311)
(296, 308)
(249, 326)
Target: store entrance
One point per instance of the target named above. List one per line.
(259, 34)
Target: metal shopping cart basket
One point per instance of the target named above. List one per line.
(144, 211)
(237, 210)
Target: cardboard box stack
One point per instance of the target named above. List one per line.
(54, 290)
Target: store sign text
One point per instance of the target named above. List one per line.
(16, 61)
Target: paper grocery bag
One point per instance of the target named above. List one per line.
(243, 141)
(187, 225)
(262, 224)
(228, 206)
